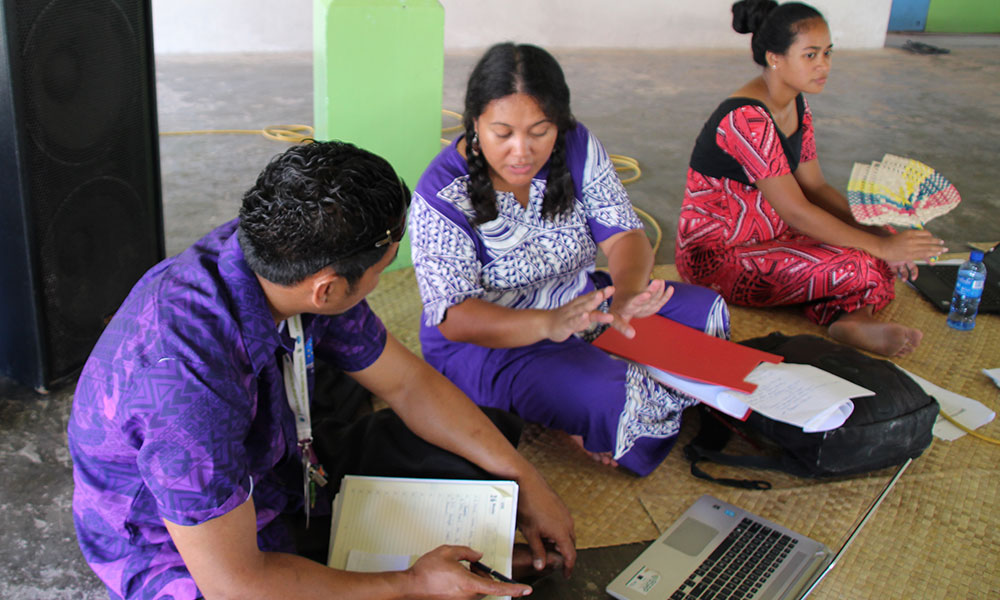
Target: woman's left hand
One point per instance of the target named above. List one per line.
(625, 307)
(905, 270)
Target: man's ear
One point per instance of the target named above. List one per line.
(325, 286)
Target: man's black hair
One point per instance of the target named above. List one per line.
(320, 204)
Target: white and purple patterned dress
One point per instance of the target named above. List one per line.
(521, 260)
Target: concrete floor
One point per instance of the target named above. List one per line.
(650, 105)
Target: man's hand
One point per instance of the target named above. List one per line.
(648, 302)
(225, 562)
(435, 410)
(438, 575)
(543, 516)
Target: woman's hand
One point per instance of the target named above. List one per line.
(578, 314)
(439, 575)
(625, 307)
(905, 270)
(910, 245)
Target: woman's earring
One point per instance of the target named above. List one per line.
(474, 145)
(773, 66)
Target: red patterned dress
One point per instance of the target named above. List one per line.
(731, 239)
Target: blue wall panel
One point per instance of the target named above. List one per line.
(908, 15)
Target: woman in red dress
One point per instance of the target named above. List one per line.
(761, 225)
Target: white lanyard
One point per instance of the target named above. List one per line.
(296, 371)
(297, 379)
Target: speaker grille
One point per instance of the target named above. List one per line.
(80, 69)
(89, 270)
(83, 79)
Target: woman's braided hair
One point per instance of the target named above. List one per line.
(508, 69)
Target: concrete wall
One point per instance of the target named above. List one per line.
(639, 23)
(221, 26)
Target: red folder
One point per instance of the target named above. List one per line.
(678, 349)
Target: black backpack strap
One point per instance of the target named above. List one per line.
(696, 454)
(712, 437)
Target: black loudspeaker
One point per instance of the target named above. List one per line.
(80, 208)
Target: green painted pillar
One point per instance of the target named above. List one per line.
(963, 16)
(378, 72)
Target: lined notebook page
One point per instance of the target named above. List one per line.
(386, 523)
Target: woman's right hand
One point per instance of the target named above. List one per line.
(578, 314)
(439, 575)
(910, 245)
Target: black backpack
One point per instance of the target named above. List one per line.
(884, 430)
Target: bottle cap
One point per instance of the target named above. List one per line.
(976, 256)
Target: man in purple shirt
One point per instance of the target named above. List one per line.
(184, 441)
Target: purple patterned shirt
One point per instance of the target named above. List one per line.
(180, 414)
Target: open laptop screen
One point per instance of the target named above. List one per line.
(936, 282)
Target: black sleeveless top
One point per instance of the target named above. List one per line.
(708, 159)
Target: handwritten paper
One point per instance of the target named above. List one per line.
(387, 523)
(801, 395)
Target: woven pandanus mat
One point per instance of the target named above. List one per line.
(396, 301)
(934, 537)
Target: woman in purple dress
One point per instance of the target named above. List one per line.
(506, 223)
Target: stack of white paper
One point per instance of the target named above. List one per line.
(801, 395)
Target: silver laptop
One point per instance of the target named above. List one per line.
(719, 551)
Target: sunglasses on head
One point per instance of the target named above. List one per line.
(395, 234)
(391, 236)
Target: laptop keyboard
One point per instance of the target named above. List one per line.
(740, 566)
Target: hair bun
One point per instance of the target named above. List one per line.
(748, 15)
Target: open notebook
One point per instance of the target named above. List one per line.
(387, 523)
(720, 551)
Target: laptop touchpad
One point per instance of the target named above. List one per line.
(691, 536)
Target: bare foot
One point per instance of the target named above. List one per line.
(522, 567)
(601, 457)
(862, 330)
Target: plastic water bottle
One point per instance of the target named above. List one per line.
(968, 291)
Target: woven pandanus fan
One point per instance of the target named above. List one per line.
(899, 191)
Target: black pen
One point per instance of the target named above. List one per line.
(475, 564)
